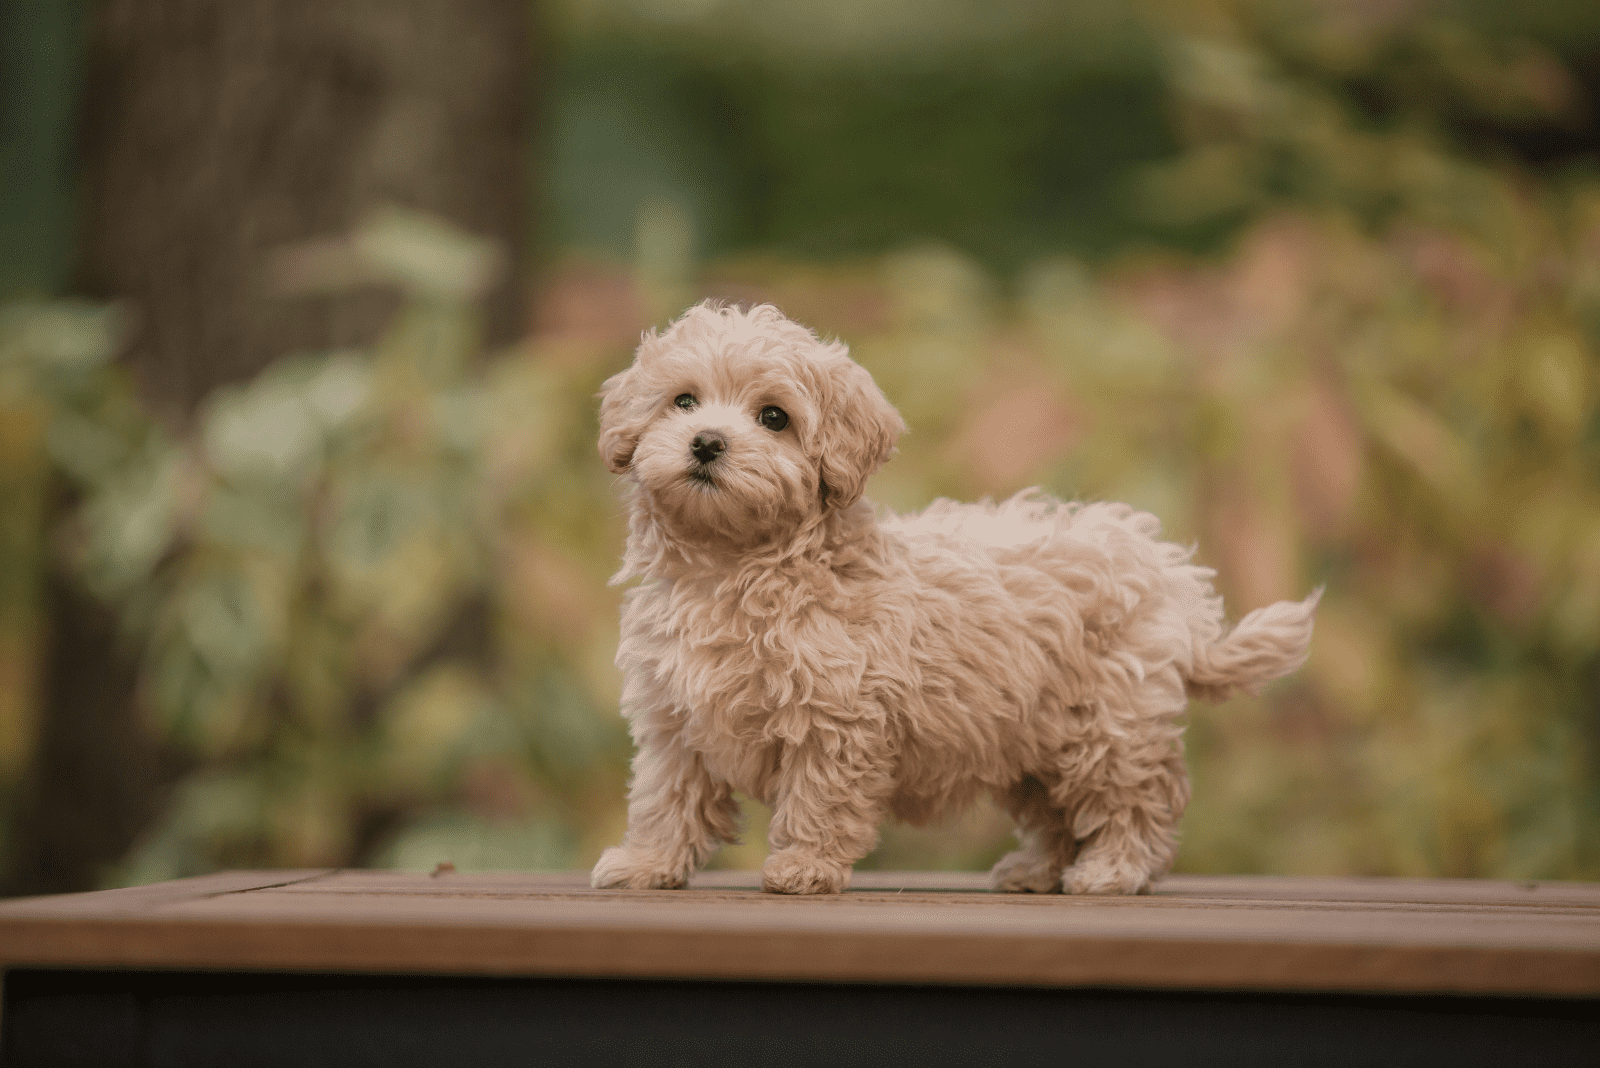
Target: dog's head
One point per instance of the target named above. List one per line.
(740, 423)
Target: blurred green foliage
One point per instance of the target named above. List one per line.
(1299, 278)
(1013, 130)
(350, 582)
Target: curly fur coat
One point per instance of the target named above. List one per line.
(789, 642)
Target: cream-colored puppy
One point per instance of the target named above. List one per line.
(788, 642)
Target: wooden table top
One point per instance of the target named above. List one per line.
(1194, 932)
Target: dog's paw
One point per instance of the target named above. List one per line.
(1025, 872)
(1094, 875)
(803, 873)
(621, 868)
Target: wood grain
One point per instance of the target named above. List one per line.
(1195, 932)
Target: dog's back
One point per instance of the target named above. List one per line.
(1120, 563)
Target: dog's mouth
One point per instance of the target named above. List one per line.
(701, 475)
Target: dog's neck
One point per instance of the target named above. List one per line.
(828, 540)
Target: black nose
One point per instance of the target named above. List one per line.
(707, 446)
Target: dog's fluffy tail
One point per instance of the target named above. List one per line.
(1267, 644)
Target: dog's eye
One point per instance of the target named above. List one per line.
(685, 400)
(773, 418)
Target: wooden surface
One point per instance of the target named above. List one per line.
(1194, 932)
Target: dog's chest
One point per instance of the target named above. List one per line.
(739, 677)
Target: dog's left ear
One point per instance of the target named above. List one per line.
(622, 420)
(857, 433)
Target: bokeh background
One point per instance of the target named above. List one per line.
(304, 544)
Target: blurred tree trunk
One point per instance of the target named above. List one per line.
(218, 133)
(214, 134)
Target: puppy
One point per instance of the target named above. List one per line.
(840, 666)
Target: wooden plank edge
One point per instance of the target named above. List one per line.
(136, 900)
(879, 957)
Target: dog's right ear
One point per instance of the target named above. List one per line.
(622, 420)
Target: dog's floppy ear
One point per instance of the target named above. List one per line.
(622, 419)
(856, 433)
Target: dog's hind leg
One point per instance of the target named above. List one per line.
(1126, 790)
(1047, 843)
(678, 814)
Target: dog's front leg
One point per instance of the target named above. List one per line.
(678, 815)
(829, 799)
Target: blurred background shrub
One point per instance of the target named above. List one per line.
(307, 540)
